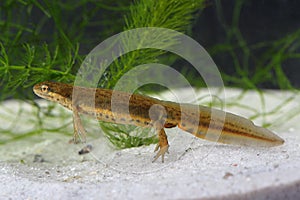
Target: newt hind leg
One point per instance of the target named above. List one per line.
(163, 146)
(158, 117)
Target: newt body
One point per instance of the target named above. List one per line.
(139, 110)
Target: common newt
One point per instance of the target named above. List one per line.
(139, 110)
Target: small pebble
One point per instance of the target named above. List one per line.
(87, 149)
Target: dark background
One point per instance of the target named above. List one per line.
(259, 21)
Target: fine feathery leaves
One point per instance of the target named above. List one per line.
(173, 14)
(38, 43)
(37, 65)
(177, 15)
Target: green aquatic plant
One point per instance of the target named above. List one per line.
(177, 16)
(41, 44)
(60, 59)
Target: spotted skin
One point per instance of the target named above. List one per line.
(139, 110)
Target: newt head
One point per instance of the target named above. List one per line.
(53, 91)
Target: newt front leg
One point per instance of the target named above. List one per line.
(79, 131)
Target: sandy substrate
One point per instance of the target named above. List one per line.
(45, 166)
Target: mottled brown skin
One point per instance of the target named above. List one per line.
(124, 108)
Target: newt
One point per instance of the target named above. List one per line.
(145, 111)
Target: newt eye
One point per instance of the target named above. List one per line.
(45, 88)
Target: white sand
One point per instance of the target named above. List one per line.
(194, 168)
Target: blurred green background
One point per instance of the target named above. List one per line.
(255, 44)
